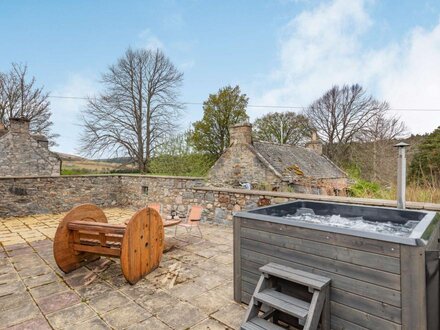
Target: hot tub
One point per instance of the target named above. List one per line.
(383, 262)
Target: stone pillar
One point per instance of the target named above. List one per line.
(240, 134)
(315, 144)
(19, 125)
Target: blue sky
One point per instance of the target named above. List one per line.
(280, 52)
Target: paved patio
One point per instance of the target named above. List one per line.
(192, 288)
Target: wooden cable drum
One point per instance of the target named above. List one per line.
(84, 235)
(142, 244)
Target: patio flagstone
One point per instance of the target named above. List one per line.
(191, 289)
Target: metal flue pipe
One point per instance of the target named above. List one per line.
(401, 175)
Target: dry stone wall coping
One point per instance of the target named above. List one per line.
(340, 199)
(104, 175)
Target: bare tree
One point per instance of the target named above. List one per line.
(20, 97)
(341, 115)
(282, 127)
(377, 154)
(137, 109)
(384, 128)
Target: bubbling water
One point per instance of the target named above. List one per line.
(356, 223)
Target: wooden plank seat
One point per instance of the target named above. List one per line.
(84, 235)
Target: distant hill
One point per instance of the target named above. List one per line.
(119, 160)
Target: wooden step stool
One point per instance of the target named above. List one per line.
(267, 295)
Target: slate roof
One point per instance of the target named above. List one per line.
(293, 161)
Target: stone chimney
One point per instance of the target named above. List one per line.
(240, 133)
(19, 125)
(315, 144)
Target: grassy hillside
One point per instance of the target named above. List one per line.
(75, 167)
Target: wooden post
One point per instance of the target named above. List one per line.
(237, 259)
(413, 286)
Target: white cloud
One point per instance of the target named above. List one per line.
(150, 41)
(414, 80)
(66, 111)
(323, 46)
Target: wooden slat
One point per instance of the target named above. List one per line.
(315, 310)
(265, 325)
(293, 275)
(326, 311)
(374, 307)
(284, 303)
(246, 297)
(413, 288)
(96, 236)
(237, 259)
(365, 274)
(365, 289)
(94, 242)
(354, 242)
(363, 319)
(254, 308)
(357, 257)
(341, 324)
(99, 227)
(98, 250)
(260, 324)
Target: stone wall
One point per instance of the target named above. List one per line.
(32, 195)
(174, 193)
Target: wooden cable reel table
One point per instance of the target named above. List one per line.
(84, 235)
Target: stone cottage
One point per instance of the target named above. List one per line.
(270, 166)
(25, 154)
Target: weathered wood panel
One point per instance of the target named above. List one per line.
(361, 318)
(377, 277)
(356, 257)
(237, 259)
(368, 290)
(374, 307)
(354, 242)
(375, 284)
(413, 288)
(341, 324)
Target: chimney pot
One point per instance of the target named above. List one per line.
(240, 133)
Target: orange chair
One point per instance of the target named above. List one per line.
(192, 220)
(157, 207)
(154, 206)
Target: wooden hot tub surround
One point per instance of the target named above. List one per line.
(377, 282)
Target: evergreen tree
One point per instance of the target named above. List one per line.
(425, 166)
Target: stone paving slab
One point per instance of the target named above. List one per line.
(191, 289)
